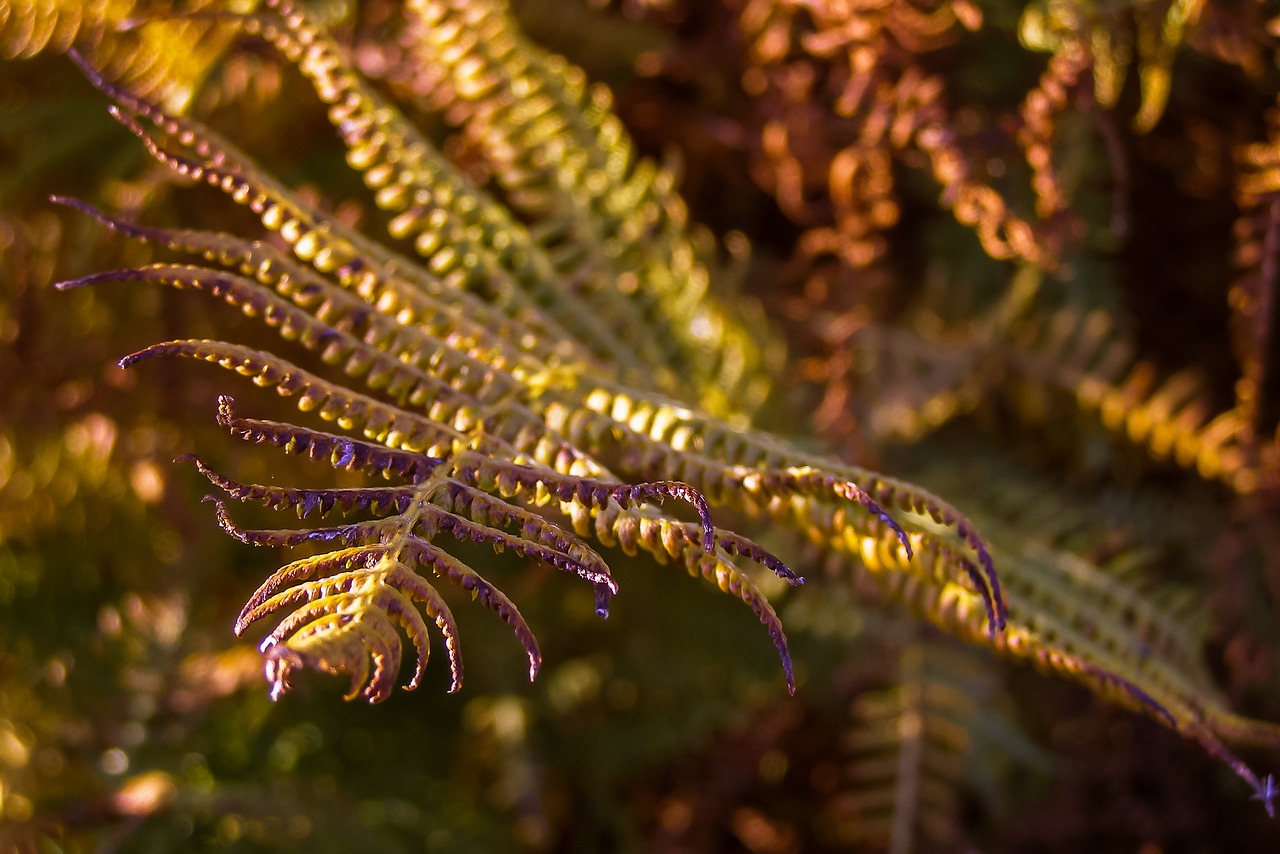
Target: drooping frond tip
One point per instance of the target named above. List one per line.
(1267, 792)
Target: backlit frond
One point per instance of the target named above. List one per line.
(166, 63)
(1044, 362)
(555, 372)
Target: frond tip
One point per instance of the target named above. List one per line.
(1267, 793)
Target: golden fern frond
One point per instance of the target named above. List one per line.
(1081, 355)
(1038, 359)
(346, 601)
(449, 369)
(398, 428)
(485, 380)
(593, 505)
(611, 223)
(455, 227)
(393, 281)
(1103, 621)
(325, 244)
(165, 63)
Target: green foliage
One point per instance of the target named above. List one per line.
(907, 752)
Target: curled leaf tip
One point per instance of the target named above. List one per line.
(603, 594)
(1267, 792)
(784, 653)
(133, 358)
(78, 205)
(98, 279)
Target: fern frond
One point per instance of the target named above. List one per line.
(363, 357)
(367, 575)
(1171, 417)
(345, 622)
(385, 312)
(308, 502)
(1252, 297)
(611, 222)
(373, 271)
(1038, 360)
(381, 422)
(704, 473)
(462, 510)
(395, 426)
(399, 428)
(754, 471)
(341, 452)
(167, 63)
(457, 229)
(466, 490)
(1152, 37)
(906, 754)
(494, 381)
(1107, 624)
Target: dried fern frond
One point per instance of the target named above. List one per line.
(1148, 35)
(831, 167)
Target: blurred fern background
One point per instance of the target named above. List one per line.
(1023, 256)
